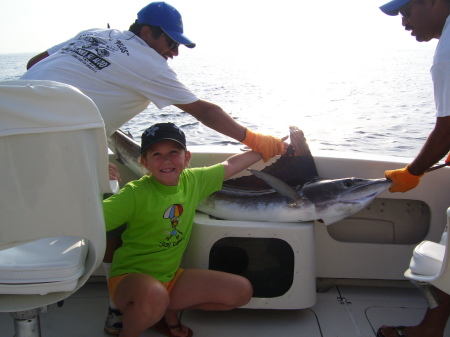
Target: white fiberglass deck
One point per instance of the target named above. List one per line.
(345, 311)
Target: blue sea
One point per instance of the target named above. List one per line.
(375, 101)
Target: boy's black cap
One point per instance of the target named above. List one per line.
(162, 131)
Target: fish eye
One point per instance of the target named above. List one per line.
(348, 183)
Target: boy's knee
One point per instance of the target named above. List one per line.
(153, 300)
(248, 292)
(154, 295)
(244, 292)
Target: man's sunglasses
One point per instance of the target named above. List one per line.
(171, 42)
(405, 11)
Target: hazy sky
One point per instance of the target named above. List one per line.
(245, 26)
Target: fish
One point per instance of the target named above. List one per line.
(288, 190)
(127, 150)
(293, 191)
(326, 200)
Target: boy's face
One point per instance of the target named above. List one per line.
(165, 160)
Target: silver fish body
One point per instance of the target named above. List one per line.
(256, 206)
(327, 201)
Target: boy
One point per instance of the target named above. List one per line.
(145, 281)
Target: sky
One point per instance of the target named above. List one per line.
(246, 27)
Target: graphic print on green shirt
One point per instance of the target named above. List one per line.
(173, 213)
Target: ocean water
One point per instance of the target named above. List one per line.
(374, 101)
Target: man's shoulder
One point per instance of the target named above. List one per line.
(107, 32)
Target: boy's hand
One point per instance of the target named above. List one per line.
(268, 146)
(402, 180)
(113, 172)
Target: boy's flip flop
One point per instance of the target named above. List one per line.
(165, 329)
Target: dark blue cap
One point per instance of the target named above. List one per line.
(162, 131)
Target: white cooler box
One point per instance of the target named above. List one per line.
(277, 257)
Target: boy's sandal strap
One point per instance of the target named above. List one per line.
(176, 326)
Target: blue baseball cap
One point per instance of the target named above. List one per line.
(166, 17)
(392, 7)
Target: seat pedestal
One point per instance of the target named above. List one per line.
(27, 323)
(429, 293)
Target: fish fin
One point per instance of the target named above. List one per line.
(298, 142)
(278, 185)
(296, 169)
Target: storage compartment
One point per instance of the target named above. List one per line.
(277, 258)
(385, 221)
(267, 262)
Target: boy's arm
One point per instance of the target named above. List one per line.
(239, 162)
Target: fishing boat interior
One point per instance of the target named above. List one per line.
(370, 269)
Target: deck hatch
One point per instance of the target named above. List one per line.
(267, 262)
(385, 221)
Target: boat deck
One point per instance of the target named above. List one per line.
(347, 311)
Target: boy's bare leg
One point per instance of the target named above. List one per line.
(143, 300)
(111, 245)
(210, 290)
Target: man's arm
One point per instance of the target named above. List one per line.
(436, 146)
(36, 59)
(215, 118)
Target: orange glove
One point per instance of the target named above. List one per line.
(448, 158)
(402, 180)
(268, 146)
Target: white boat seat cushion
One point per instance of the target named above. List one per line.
(427, 258)
(42, 266)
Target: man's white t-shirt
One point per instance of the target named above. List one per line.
(440, 72)
(117, 70)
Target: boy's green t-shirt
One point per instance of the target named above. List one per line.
(159, 220)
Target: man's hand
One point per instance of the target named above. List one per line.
(268, 146)
(402, 180)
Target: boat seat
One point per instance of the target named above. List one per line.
(430, 265)
(54, 174)
(427, 258)
(43, 266)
